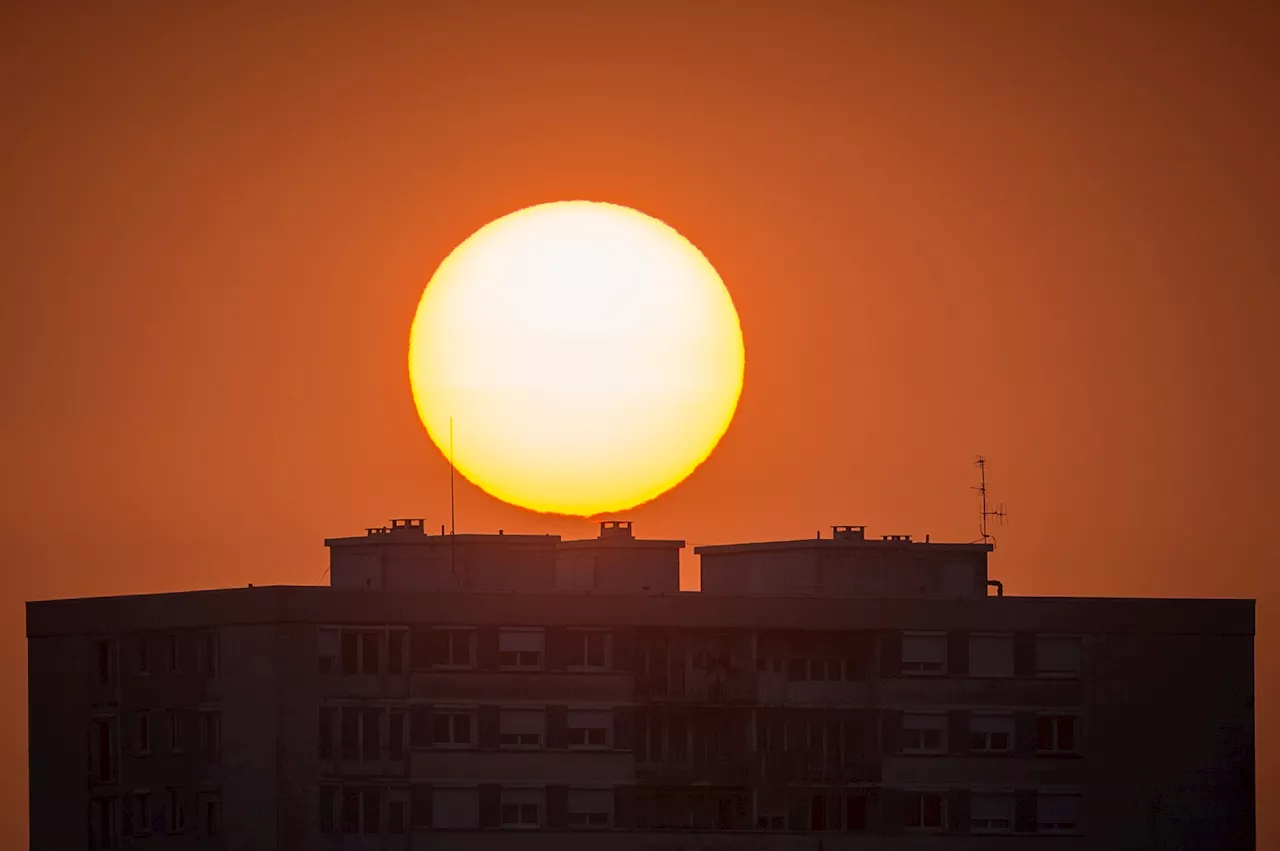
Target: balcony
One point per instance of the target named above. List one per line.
(675, 771)
(731, 688)
(806, 766)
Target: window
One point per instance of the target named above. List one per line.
(370, 645)
(371, 804)
(452, 728)
(329, 648)
(924, 811)
(1056, 733)
(590, 807)
(395, 651)
(176, 816)
(370, 730)
(823, 669)
(589, 649)
(397, 817)
(103, 750)
(350, 822)
(451, 648)
(142, 734)
(211, 734)
(454, 808)
(520, 728)
(924, 654)
(143, 659)
(175, 731)
(350, 653)
(1058, 656)
(589, 729)
(991, 813)
(212, 815)
(855, 812)
(350, 733)
(396, 735)
(207, 655)
(991, 733)
(991, 655)
(173, 653)
(141, 813)
(328, 715)
(521, 807)
(328, 801)
(924, 733)
(1057, 813)
(106, 663)
(520, 648)
(104, 823)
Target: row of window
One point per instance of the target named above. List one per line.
(371, 733)
(354, 652)
(373, 810)
(152, 731)
(991, 655)
(147, 654)
(143, 812)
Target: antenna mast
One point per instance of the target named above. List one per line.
(999, 513)
(453, 557)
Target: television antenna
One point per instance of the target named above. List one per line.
(999, 512)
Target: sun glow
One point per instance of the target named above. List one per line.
(589, 356)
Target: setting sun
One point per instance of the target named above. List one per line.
(589, 356)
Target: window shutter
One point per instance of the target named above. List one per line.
(488, 726)
(490, 799)
(624, 806)
(420, 727)
(891, 731)
(421, 805)
(1024, 654)
(1025, 807)
(958, 731)
(557, 807)
(957, 654)
(557, 727)
(891, 654)
(1024, 732)
(487, 648)
(623, 728)
(958, 801)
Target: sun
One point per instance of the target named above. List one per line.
(588, 355)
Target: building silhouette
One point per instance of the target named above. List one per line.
(524, 692)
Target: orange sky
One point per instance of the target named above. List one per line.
(1044, 235)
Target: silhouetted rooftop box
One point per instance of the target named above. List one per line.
(404, 556)
(847, 564)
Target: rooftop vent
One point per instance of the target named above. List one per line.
(904, 539)
(615, 529)
(405, 526)
(849, 533)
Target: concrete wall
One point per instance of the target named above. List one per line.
(58, 723)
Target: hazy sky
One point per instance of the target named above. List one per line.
(1044, 232)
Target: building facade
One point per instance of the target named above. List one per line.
(522, 692)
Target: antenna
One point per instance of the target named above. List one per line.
(999, 512)
(453, 529)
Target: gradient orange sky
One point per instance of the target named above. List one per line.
(1044, 232)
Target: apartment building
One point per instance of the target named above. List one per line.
(523, 692)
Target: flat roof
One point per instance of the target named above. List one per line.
(317, 604)
(412, 538)
(621, 543)
(836, 543)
